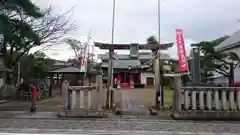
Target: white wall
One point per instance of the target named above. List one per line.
(237, 74)
(144, 75)
(237, 69)
(236, 50)
(221, 80)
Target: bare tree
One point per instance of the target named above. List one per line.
(50, 30)
(75, 45)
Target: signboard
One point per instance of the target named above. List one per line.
(182, 59)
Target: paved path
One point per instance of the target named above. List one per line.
(91, 127)
(25, 106)
(101, 132)
(130, 104)
(47, 105)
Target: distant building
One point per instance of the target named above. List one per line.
(140, 67)
(70, 70)
(231, 44)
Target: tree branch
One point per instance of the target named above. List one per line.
(222, 72)
(50, 29)
(19, 56)
(236, 64)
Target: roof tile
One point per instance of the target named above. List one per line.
(231, 41)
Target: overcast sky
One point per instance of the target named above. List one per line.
(137, 19)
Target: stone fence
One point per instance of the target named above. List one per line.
(202, 103)
(71, 100)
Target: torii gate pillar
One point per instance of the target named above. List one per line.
(157, 79)
(109, 101)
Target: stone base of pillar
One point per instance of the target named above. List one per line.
(158, 99)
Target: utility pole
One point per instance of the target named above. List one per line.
(159, 40)
(159, 96)
(110, 68)
(159, 21)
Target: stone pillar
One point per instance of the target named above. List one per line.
(195, 69)
(177, 93)
(65, 85)
(99, 92)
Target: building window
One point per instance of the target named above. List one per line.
(150, 81)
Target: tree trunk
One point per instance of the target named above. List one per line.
(231, 74)
(205, 76)
(4, 52)
(230, 80)
(9, 61)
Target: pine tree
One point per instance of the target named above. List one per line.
(12, 27)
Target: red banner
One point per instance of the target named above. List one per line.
(182, 59)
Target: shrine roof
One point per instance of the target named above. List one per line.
(142, 56)
(71, 69)
(135, 64)
(124, 64)
(164, 46)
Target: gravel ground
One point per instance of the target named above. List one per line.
(23, 122)
(130, 104)
(147, 126)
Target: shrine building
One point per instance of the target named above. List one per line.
(134, 66)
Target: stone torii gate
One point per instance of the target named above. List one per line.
(133, 47)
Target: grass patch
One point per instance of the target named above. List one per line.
(168, 95)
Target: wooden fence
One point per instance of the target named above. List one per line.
(205, 102)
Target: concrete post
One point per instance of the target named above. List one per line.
(177, 93)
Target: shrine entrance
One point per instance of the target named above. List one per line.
(127, 79)
(124, 79)
(126, 71)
